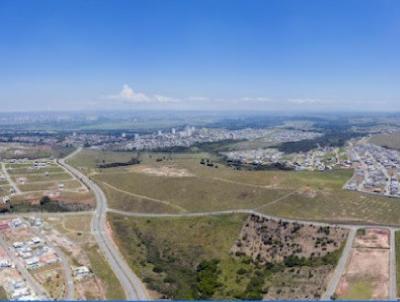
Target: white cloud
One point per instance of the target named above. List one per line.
(305, 101)
(197, 98)
(261, 99)
(165, 99)
(128, 95)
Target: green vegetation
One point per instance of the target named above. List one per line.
(332, 139)
(309, 195)
(397, 249)
(31, 151)
(391, 141)
(190, 258)
(207, 278)
(328, 259)
(91, 158)
(102, 270)
(190, 193)
(43, 177)
(360, 290)
(50, 206)
(3, 294)
(179, 258)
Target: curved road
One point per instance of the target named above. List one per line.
(134, 288)
(132, 285)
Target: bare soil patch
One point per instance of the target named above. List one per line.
(167, 171)
(367, 273)
(372, 238)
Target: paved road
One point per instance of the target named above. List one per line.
(9, 179)
(341, 266)
(392, 267)
(343, 224)
(132, 285)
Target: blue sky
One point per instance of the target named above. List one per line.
(258, 55)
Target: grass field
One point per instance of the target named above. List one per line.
(42, 177)
(359, 290)
(309, 195)
(69, 184)
(31, 151)
(3, 294)
(190, 193)
(391, 141)
(172, 255)
(90, 158)
(28, 170)
(397, 248)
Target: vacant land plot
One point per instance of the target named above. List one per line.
(60, 201)
(367, 273)
(167, 171)
(397, 249)
(268, 240)
(52, 279)
(29, 178)
(68, 184)
(39, 178)
(304, 195)
(83, 250)
(33, 151)
(14, 169)
(190, 193)
(186, 258)
(391, 140)
(90, 158)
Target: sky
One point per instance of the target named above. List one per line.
(322, 55)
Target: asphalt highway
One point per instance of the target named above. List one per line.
(132, 285)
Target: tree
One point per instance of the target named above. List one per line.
(44, 200)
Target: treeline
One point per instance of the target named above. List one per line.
(331, 139)
(104, 165)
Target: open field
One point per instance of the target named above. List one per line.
(60, 201)
(90, 158)
(397, 248)
(367, 273)
(172, 255)
(68, 184)
(31, 151)
(15, 169)
(53, 280)
(31, 178)
(391, 140)
(148, 187)
(3, 294)
(189, 193)
(39, 178)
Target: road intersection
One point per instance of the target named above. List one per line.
(135, 289)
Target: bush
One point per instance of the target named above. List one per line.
(45, 200)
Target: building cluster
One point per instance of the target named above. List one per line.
(17, 258)
(190, 136)
(321, 159)
(377, 170)
(27, 248)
